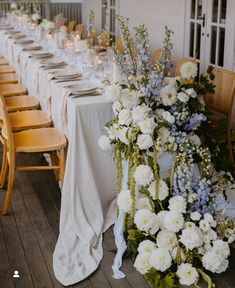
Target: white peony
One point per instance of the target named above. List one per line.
(104, 143)
(117, 107)
(140, 113)
(143, 203)
(163, 190)
(124, 117)
(221, 247)
(144, 141)
(113, 92)
(168, 95)
(204, 225)
(195, 216)
(146, 246)
(178, 204)
(147, 126)
(174, 221)
(187, 273)
(160, 259)
(144, 219)
(166, 239)
(191, 238)
(168, 117)
(191, 92)
(142, 263)
(214, 262)
(129, 99)
(143, 175)
(183, 97)
(124, 200)
(188, 70)
(122, 135)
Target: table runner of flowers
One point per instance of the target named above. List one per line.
(178, 229)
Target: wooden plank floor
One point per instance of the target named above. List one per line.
(28, 236)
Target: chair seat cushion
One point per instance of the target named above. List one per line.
(19, 103)
(12, 89)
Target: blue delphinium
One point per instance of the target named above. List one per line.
(194, 121)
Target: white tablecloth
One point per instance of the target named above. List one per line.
(88, 193)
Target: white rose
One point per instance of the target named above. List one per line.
(191, 238)
(204, 225)
(143, 203)
(142, 263)
(163, 190)
(143, 175)
(183, 97)
(221, 247)
(166, 239)
(160, 259)
(124, 200)
(195, 216)
(191, 92)
(104, 143)
(140, 113)
(146, 246)
(113, 92)
(144, 219)
(188, 70)
(122, 135)
(214, 262)
(189, 224)
(168, 95)
(174, 221)
(124, 117)
(147, 126)
(144, 141)
(130, 99)
(117, 107)
(168, 117)
(178, 204)
(187, 273)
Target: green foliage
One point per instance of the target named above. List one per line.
(205, 86)
(158, 280)
(134, 237)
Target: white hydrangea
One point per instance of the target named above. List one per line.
(140, 113)
(129, 99)
(146, 246)
(117, 107)
(124, 117)
(147, 126)
(168, 117)
(188, 70)
(143, 175)
(104, 143)
(124, 200)
(143, 203)
(187, 273)
(221, 247)
(214, 262)
(144, 219)
(144, 141)
(204, 225)
(160, 259)
(183, 97)
(166, 239)
(174, 221)
(178, 204)
(113, 92)
(195, 216)
(168, 95)
(191, 92)
(163, 190)
(191, 238)
(122, 135)
(142, 263)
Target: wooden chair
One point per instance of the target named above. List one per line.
(71, 26)
(43, 140)
(8, 78)
(21, 103)
(6, 69)
(221, 102)
(3, 62)
(13, 89)
(79, 27)
(156, 56)
(180, 62)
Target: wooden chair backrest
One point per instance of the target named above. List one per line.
(71, 26)
(79, 27)
(222, 100)
(180, 62)
(120, 46)
(156, 56)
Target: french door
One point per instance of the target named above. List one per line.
(109, 8)
(210, 32)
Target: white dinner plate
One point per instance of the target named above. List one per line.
(67, 74)
(83, 86)
(24, 42)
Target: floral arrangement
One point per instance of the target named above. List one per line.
(48, 26)
(177, 222)
(90, 27)
(36, 16)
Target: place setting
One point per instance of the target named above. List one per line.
(66, 75)
(41, 54)
(52, 63)
(84, 88)
(32, 48)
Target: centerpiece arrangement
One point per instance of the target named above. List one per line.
(174, 219)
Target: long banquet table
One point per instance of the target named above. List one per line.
(88, 192)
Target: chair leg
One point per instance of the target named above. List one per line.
(61, 164)
(4, 165)
(9, 186)
(54, 162)
(229, 143)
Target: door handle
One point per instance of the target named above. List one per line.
(203, 18)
